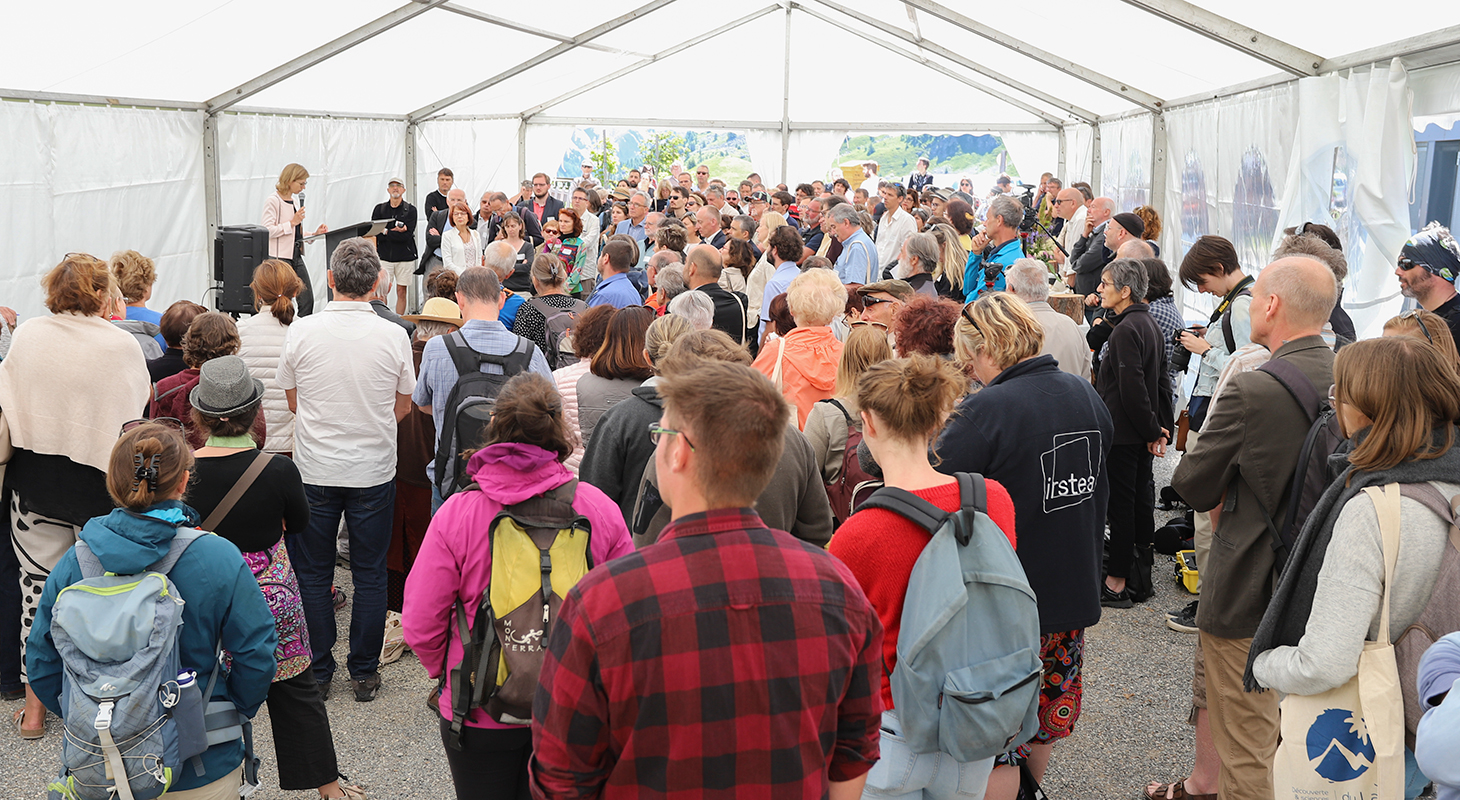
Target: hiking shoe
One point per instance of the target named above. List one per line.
(366, 688)
(1187, 610)
(1109, 599)
(1185, 622)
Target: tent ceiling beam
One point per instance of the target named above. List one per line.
(969, 64)
(97, 100)
(775, 125)
(1441, 46)
(429, 111)
(659, 56)
(524, 28)
(322, 53)
(1117, 88)
(1239, 37)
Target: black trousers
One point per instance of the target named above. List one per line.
(304, 303)
(1132, 511)
(491, 764)
(303, 745)
(11, 608)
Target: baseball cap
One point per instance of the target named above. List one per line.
(902, 290)
(395, 180)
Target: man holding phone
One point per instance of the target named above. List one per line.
(397, 243)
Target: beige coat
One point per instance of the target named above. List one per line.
(1063, 340)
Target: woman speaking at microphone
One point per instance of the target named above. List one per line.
(284, 217)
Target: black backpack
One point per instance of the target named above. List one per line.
(1312, 475)
(469, 406)
(557, 322)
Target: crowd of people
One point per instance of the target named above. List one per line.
(613, 483)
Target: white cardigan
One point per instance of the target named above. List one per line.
(261, 338)
(457, 255)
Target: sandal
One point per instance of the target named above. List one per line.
(1173, 791)
(28, 733)
(350, 792)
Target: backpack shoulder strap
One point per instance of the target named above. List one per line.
(1229, 338)
(520, 359)
(1423, 493)
(88, 562)
(175, 550)
(839, 407)
(1297, 384)
(973, 492)
(904, 503)
(220, 512)
(462, 355)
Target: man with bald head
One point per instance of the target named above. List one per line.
(435, 224)
(732, 309)
(1244, 462)
(1069, 205)
(1090, 255)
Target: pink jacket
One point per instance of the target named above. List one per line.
(277, 214)
(454, 561)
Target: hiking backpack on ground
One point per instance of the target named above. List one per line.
(540, 550)
(469, 405)
(853, 485)
(1312, 474)
(557, 323)
(967, 678)
(132, 716)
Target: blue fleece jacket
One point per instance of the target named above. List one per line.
(222, 603)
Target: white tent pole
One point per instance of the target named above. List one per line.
(786, 102)
(323, 52)
(212, 199)
(479, 16)
(1159, 164)
(426, 112)
(1117, 88)
(413, 288)
(1095, 159)
(522, 150)
(734, 125)
(969, 64)
(659, 56)
(933, 65)
(1254, 43)
(1064, 178)
(1404, 48)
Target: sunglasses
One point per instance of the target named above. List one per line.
(872, 301)
(1414, 315)
(171, 422)
(1406, 263)
(862, 322)
(967, 317)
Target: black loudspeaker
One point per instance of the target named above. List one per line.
(237, 251)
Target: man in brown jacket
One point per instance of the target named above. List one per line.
(1244, 462)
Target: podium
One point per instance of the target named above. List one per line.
(333, 237)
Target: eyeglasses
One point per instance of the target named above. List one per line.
(1414, 315)
(859, 323)
(171, 422)
(656, 433)
(1407, 264)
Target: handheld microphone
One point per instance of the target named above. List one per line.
(301, 199)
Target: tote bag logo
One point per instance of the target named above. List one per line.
(1338, 745)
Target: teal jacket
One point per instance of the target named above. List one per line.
(975, 279)
(223, 603)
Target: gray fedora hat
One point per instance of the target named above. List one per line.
(225, 387)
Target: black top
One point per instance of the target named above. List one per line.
(383, 311)
(1450, 310)
(166, 365)
(521, 278)
(435, 201)
(812, 237)
(731, 311)
(274, 504)
(531, 325)
(1133, 380)
(394, 245)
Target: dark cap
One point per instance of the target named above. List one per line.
(1131, 223)
(902, 290)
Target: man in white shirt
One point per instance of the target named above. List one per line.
(348, 377)
(784, 248)
(1069, 205)
(895, 224)
(1028, 279)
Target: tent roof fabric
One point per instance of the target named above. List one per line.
(874, 61)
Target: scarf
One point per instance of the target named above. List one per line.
(1286, 618)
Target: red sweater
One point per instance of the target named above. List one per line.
(880, 547)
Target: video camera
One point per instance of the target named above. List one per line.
(1026, 199)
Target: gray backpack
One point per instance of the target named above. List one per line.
(967, 678)
(558, 324)
(132, 715)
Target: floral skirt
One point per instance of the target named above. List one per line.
(276, 578)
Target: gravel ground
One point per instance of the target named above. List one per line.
(1133, 725)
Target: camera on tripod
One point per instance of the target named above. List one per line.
(1031, 215)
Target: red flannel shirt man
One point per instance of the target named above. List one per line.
(727, 659)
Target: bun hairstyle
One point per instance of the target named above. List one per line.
(147, 464)
(529, 410)
(548, 270)
(275, 284)
(441, 283)
(911, 396)
(662, 334)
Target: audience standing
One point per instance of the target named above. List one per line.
(803, 363)
(1028, 280)
(261, 340)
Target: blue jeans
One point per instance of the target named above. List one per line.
(436, 499)
(368, 513)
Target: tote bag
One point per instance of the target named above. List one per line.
(1348, 743)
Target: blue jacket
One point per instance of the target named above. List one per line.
(975, 281)
(223, 603)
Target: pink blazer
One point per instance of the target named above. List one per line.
(277, 214)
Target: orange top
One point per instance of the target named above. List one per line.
(808, 369)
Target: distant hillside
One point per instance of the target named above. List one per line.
(725, 151)
(897, 155)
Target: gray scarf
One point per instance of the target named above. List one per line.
(1286, 618)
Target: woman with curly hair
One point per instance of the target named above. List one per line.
(925, 326)
(1152, 220)
(211, 335)
(135, 274)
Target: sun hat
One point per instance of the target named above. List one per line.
(437, 309)
(225, 387)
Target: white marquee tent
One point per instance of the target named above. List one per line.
(147, 124)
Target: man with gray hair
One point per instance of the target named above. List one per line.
(697, 309)
(702, 274)
(916, 261)
(501, 259)
(1090, 255)
(857, 264)
(995, 248)
(1028, 279)
(1244, 461)
(382, 294)
(638, 209)
(1136, 388)
(347, 375)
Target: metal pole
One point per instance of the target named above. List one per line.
(786, 104)
(1095, 159)
(1158, 164)
(213, 209)
(413, 289)
(522, 151)
(1064, 179)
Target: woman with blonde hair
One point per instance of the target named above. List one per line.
(1426, 326)
(261, 340)
(1398, 399)
(285, 220)
(830, 422)
(461, 247)
(136, 274)
(903, 404)
(952, 258)
(803, 363)
(69, 383)
(998, 433)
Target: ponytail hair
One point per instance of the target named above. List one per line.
(275, 284)
(147, 464)
(529, 410)
(549, 270)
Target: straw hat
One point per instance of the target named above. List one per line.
(438, 309)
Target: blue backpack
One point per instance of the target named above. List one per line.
(967, 678)
(132, 715)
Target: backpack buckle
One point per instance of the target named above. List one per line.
(104, 715)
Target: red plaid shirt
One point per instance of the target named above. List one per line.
(726, 660)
